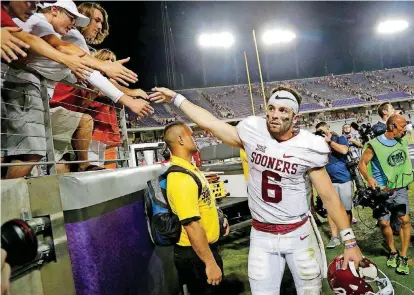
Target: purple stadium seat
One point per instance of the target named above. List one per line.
(382, 85)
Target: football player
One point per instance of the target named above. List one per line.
(278, 159)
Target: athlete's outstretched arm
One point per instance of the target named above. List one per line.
(323, 185)
(204, 119)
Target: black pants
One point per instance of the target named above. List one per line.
(192, 270)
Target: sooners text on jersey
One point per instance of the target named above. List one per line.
(277, 188)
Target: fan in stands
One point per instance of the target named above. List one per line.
(357, 282)
(345, 93)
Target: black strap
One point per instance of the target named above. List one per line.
(176, 168)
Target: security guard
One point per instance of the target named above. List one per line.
(196, 255)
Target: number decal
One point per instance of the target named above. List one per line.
(266, 187)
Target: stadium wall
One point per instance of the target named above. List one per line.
(108, 249)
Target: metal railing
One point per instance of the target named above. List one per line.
(16, 101)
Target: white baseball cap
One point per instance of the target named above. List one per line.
(70, 6)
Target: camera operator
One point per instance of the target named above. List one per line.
(355, 150)
(385, 110)
(355, 145)
(339, 174)
(391, 168)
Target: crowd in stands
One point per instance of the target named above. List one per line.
(223, 110)
(322, 93)
(165, 121)
(310, 120)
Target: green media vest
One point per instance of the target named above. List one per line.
(395, 162)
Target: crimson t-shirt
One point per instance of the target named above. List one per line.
(6, 20)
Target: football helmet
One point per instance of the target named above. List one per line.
(354, 281)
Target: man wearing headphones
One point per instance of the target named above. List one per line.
(386, 164)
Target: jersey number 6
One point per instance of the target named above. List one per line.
(266, 187)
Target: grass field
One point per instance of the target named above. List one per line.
(235, 250)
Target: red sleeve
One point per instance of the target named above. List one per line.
(66, 96)
(6, 20)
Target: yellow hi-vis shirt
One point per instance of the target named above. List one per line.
(182, 193)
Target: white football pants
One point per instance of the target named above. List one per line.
(269, 253)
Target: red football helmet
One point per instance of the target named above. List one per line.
(357, 282)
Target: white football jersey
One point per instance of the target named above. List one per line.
(276, 185)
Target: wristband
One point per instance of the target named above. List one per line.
(351, 245)
(347, 234)
(178, 100)
(174, 97)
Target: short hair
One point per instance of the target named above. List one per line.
(321, 124)
(289, 89)
(168, 128)
(104, 54)
(382, 108)
(87, 9)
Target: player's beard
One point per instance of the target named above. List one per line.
(285, 124)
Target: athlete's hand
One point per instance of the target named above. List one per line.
(372, 183)
(162, 94)
(226, 225)
(352, 254)
(213, 273)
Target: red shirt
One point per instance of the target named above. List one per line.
(6, 20)
(105, 128)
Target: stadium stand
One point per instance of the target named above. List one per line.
(321, 93)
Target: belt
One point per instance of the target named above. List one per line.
(280, 229)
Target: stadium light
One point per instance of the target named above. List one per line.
(392, 26)
(278, 36)
(223, 40)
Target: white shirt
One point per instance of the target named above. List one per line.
(38, 25)
(277, 188)
(76, 37)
